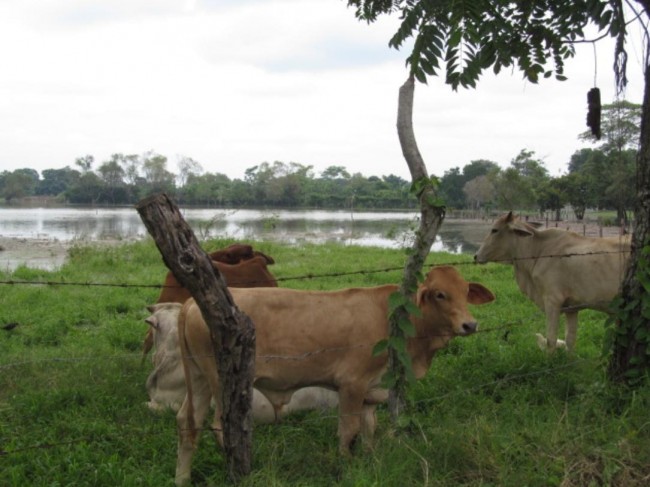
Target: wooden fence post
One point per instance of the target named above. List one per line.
(231, 331)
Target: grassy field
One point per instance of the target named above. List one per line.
(493, 410)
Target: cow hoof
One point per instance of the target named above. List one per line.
(542, 343)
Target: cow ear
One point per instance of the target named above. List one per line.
(479, 294)
(151, 308)
(422, 296)
(522, 232)
(152, 322)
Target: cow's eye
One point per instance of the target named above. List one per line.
(494, 230)
(440, 296)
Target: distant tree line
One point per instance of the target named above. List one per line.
(125, 179)
(600, 178)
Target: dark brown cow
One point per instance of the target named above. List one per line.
(235, 253)
(240, 266)
(248, 273)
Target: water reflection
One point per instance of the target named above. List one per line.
(385, 229)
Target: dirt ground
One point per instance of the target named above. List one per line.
(39, 253)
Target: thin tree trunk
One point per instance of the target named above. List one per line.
(630, 360)
(231, 331)
(431, 217)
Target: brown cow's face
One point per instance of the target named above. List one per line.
(500, 242)
(443, 299)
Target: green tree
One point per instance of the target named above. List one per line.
(56, 181)
(479, 167)
(480, 191)
(451, 188)
(112, 175)
(335, 172)
(18, 184)
(208, 189)
(552, 196)
(156, 176)
(88, 189)
(620, 128)
(85, 163)
(516, 186)
(187, 167)
(575, 187)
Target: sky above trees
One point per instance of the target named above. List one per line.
(233, 84)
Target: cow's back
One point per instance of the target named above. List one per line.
(306, 337)
(575, 270)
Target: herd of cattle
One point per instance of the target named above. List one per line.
(314, 348)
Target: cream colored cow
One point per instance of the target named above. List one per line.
(166, 382)
(560, 271)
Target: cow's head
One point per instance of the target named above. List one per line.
(233, 254)
(499, 244)
(163, 319)
(443, 298)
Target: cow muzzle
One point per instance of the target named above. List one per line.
(469, 327)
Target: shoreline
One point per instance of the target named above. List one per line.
(48, 254)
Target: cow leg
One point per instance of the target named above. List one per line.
(190, 419)
(368, 417)
(368, 425)
(217, 396)
(552, 319)
(571, 330)
(350, 412)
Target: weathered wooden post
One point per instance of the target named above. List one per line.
(231, 331)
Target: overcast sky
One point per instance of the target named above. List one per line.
(233, 83)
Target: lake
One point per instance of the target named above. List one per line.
(385, 229)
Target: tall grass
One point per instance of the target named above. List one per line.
(493, 409)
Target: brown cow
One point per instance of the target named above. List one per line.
(235, 253)
(249, 271)
(324, 338)
(560, 271)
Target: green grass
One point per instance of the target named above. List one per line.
(493, 410)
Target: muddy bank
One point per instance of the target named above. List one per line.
(40, 253)
(51, 253)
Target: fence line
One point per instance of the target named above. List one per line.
(321, 417)
(508, 326)
(302, 356)
(309, 276)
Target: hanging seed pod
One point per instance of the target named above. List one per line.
(593, 113)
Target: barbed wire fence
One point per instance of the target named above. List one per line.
(324, 415)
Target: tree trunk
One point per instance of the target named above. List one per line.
(231, 331)
(430, 220)
(630, 361)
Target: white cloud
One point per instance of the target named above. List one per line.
(233, 84)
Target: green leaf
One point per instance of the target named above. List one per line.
(412, 308)
(397, 343)
(406, 326)
(395, 300)
(380, 347)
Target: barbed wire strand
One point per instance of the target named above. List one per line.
(309, 276)
(323, 416)
(274, 357)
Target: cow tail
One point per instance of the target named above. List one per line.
(186, 359)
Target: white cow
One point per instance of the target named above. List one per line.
(166, 383)
(560, 271)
